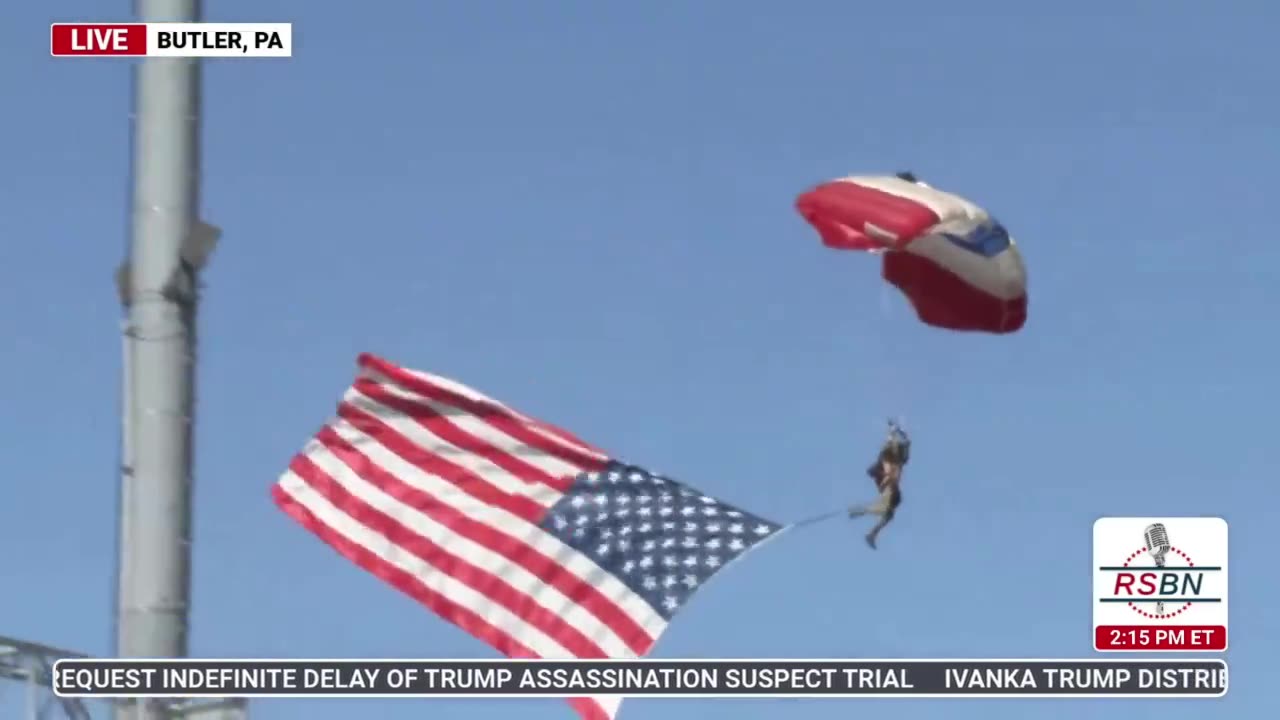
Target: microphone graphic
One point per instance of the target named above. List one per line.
(1157, 540)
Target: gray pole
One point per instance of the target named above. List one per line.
(159, 286)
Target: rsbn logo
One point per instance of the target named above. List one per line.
(1152, 575)
(1162, 584)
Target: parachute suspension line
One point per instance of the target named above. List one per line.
(888, 377)
(785, 529)
(815, 519)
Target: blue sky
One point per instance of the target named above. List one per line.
(585, 209)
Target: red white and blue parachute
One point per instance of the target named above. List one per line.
(955, 263)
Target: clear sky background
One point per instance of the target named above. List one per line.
(585, 209)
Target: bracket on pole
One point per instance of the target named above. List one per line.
(194, 255)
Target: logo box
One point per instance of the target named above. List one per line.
(1160, 584)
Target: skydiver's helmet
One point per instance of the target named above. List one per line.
(908, 176)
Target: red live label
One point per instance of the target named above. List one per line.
(1149, 637)
(97, 39)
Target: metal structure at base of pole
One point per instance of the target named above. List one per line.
(159, 288)
(31, 664)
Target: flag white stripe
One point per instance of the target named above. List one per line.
(566, 557)
(457, 388)
(430, 577)
(464, 548)
(609, 703)
(478, 428)
(419, 435)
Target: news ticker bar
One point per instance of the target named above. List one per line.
(641, 678)
(179, 40)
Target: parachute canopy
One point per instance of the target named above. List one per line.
(955, 263)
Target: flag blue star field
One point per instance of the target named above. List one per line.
(518, 532)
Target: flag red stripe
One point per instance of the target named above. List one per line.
(465, 480)
(503, 568)
(564, 435)
(500, 418)
(459, 615)
(464, 618)
(588, 709)
(539, 565)
(482, 581)
(443, 428)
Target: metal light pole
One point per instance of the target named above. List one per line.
(159, 288)
(158, 285)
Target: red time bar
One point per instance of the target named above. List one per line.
(1151, 637)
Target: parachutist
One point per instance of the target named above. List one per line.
(887, 474)
(908, 176)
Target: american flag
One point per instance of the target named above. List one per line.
(521, 534)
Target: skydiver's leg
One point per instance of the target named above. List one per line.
(885, 519)
(890, 500)
(879, 507)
